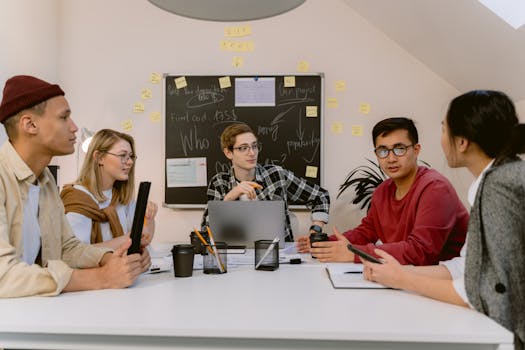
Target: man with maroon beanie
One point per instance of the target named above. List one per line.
(39, 255)
(415, 215)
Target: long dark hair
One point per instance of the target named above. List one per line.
(487, 118)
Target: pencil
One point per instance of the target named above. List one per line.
(212, 241)
(256, 185)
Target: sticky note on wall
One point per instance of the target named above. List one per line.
(357, 130)
(145, 94)
(340, 85)
(303, 66)
(336, 127)
(154, 117)
(364, 108)
(332, 102)
(237, 61)
(138, 107)
(127, 125)
(155, 78)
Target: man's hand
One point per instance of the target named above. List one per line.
(120, 270)
(333, 251)
(303, 244)
(390, 273)
(244, 187)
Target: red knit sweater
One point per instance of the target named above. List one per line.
(428, 225)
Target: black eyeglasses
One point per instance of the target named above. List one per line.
(124, 157)
(398, 150)
(256, 147)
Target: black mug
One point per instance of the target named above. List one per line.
(318, 237)
(183, 255)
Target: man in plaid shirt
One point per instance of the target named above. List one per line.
(248, 180)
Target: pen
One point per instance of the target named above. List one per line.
(359, 272)
(268, 250)
(215, 252)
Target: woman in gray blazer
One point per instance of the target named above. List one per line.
(482, 133)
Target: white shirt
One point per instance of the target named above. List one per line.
(456, 266)
(30, 227)
(81, 224)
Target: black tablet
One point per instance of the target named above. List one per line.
(363, 255)
(138, 218)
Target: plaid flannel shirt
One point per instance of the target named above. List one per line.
(278, 184)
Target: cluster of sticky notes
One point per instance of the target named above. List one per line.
(235, 45)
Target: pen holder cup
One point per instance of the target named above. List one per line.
(210, 264)
(183, 255)
(197, 243)
(270, 259)
(317, 237)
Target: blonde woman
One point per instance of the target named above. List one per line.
(100, 204)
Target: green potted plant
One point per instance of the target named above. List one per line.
(364, 179)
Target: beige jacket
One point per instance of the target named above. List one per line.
(61, 250)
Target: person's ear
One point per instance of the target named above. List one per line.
(462, 144)
(28, 124)
(97, 157)
(417, 149)
(228, 153)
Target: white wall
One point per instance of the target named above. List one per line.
(107, 50)
(28, 38)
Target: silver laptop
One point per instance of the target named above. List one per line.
(241, 223)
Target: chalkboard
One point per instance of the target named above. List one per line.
(197, 109)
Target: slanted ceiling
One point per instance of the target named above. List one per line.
(460, 40)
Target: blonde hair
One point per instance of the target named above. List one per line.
(90, 177)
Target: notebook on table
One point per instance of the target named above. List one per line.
(138, 218)
(241, 223)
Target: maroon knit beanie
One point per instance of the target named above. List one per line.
(24, 91)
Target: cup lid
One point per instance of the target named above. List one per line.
(182, 248)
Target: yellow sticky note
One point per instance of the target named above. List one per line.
(311, 111)
(332, 102)
(225, 82)
(364, 108)
(154, 117)
(145, 94)
(180, 82)
(311, 171)
(340, 85)
(138, 107)
(237, 61)
(337, 127)
(303, 66)
(289, 81)
(155, 78)
(238, 31)
(127, 125)
(357, 130)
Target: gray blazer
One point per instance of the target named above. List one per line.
(495, 261)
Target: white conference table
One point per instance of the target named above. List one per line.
(295, 307)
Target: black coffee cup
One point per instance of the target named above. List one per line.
(197, 243)
(183, 260)
(318, 237)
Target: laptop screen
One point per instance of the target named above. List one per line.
(244, 222)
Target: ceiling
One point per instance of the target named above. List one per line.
(460, 40)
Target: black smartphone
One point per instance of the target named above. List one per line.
(363, 255)
(138, 218)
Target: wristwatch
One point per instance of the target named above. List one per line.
(316, 228)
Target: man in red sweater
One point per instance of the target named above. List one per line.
(415, 215)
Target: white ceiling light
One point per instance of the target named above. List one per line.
(511, 11)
